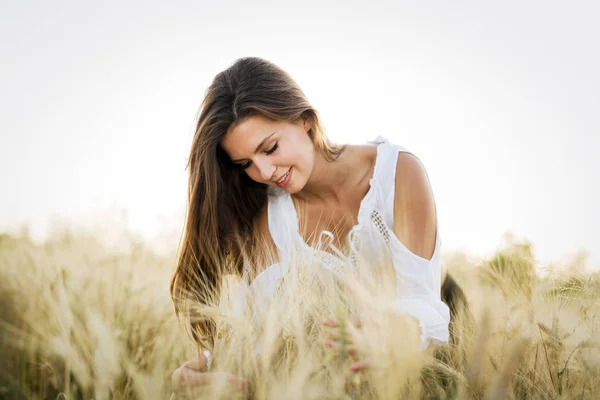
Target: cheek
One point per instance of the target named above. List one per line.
(307, 158)
(254, 174)
(299, 156)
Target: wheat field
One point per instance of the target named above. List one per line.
(80, 320)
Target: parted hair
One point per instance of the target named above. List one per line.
(223, 201)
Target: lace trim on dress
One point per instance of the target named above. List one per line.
(420, 277)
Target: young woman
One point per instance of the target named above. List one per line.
(261, 168)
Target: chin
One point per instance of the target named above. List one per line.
(294, 188)
(291, 190)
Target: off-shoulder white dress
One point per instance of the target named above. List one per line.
(418, 292)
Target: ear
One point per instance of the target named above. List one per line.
(307, 125)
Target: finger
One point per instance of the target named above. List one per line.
(349, 348)
(361, 365)
(349, 331)
(233, 382)
(331, 323)
(336, 336)
(354, 318)
(190, 377)
(176, 380)
(197, 364)
(184, 380)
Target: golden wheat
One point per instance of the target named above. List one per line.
(80, 321)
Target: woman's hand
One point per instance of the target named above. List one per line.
(347, 338)
(365, 339)
(192, 379)
(351, 337)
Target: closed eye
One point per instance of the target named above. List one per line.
(270, 151)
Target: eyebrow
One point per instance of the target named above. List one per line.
(261, 144)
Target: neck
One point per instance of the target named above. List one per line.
(326, 180)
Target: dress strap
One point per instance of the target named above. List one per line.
(384, 176)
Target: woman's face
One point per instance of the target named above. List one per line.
(272, 152)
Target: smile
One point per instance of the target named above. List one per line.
(284, 180)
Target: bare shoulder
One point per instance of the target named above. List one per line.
(362, 159)
(414, 206)
(367, 153)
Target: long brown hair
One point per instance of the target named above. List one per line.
(223, 201)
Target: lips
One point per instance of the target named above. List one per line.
(285, 179)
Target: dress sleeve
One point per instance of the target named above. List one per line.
(433, 318)
(418, 279)
(419, 293)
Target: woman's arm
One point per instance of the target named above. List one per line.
(414, 207)
(415, 225)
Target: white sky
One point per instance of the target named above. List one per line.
(500, 101)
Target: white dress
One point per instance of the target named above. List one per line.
(418, 279)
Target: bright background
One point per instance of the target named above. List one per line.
(500, 101)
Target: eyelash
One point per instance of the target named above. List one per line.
(270, 151)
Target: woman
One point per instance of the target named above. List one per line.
(261, 168)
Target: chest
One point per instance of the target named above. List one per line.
(338, 218)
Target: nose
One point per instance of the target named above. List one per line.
(266, 169)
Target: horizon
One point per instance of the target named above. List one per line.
(499, 101)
